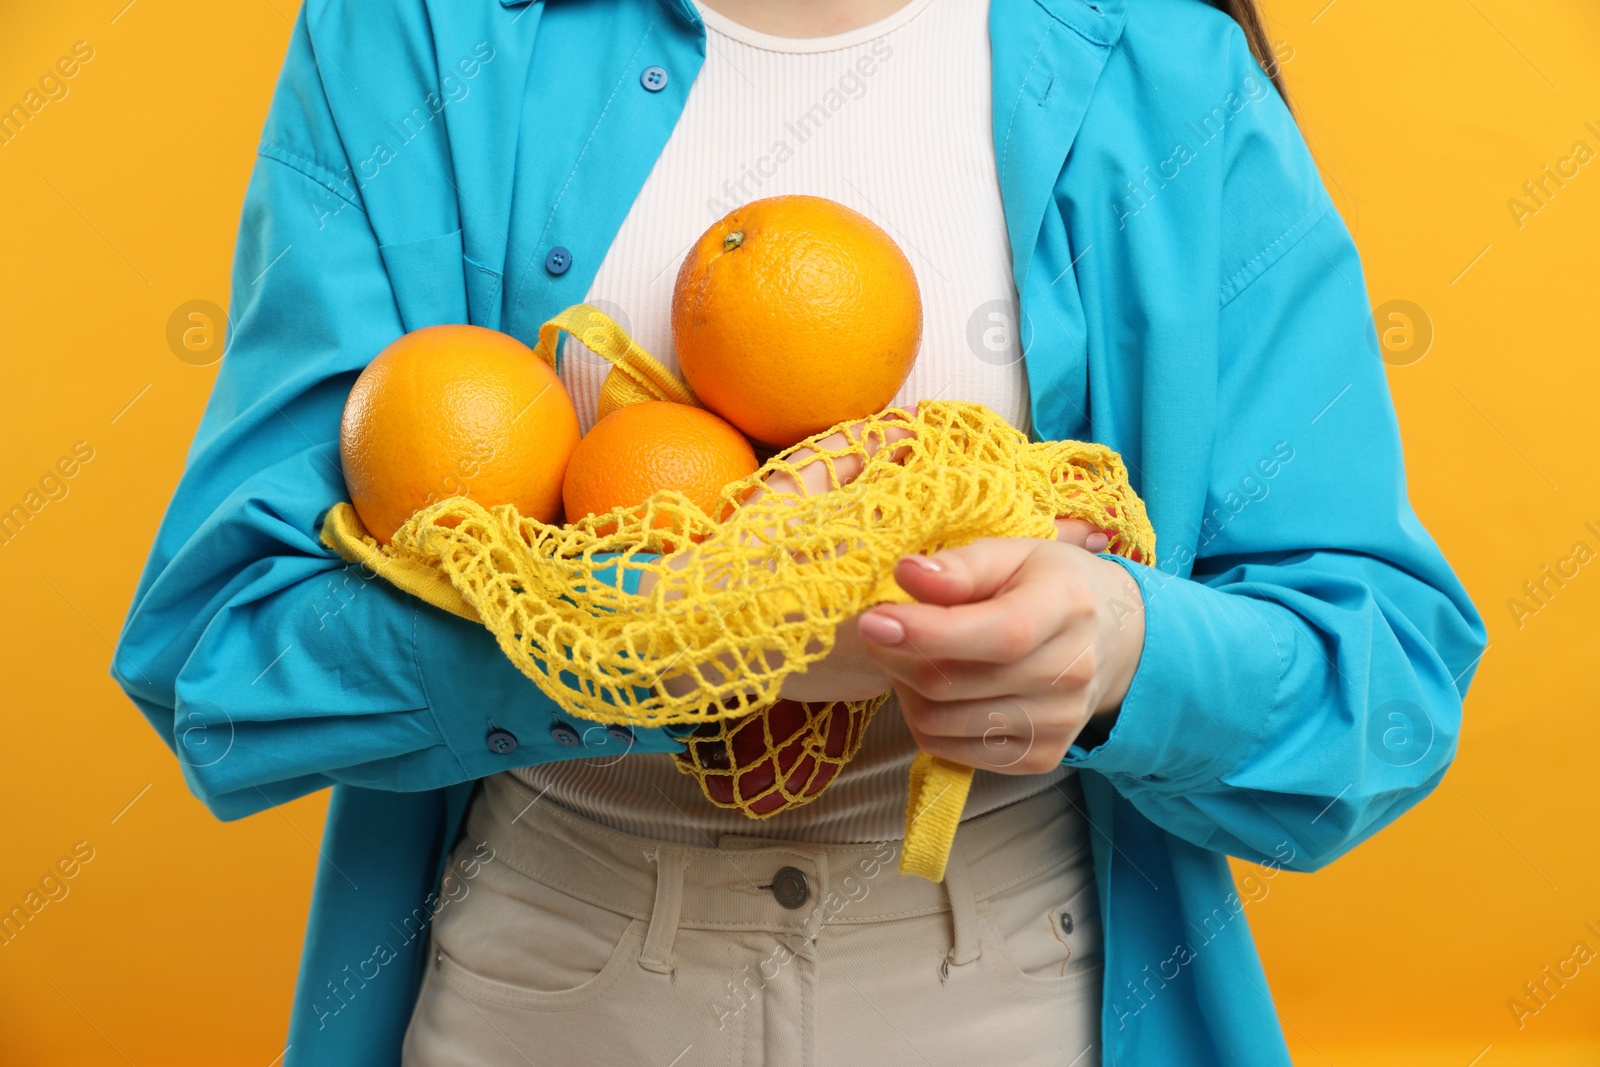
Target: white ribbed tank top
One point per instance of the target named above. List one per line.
(893, 120)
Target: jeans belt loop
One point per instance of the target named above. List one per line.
(963, 907)
(656, 955)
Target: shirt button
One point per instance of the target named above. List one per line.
(789, 887)
(654, 79)
(620, 733)
(501, 741)
(565, 735)
(557, 260)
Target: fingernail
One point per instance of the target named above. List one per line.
(932, 566)
(1096, 542)
(881, 629)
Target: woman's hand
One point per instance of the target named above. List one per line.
(850, 672)
(1015, 648)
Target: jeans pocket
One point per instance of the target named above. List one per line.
(519, 942)
(464, 1017)
(1047, 932)
(476, 986)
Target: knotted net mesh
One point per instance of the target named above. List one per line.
(738, 605)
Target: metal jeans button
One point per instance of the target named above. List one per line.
(789, 887)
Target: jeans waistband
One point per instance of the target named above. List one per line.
(732, 886)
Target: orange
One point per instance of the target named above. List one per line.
(793, 314)
(641, 448)
(455, 411)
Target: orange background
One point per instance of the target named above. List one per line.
(177, 942)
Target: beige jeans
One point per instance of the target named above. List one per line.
(564, 942)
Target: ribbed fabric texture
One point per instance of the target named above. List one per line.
(893, 120)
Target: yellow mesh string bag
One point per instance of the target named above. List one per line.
(740, 604)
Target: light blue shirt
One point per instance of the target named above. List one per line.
(1189, 297)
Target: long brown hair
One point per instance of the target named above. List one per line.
(1247, 13)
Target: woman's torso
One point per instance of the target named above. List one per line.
(893, 120)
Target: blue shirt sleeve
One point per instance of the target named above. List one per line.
(269, 666)
(1304, 664)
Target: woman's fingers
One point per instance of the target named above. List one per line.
(1001, 734)
(1060, 665)
(964, 575)
(1085, 535)
(995, 600)
(812, 474)
(870, 441)
(891, 434)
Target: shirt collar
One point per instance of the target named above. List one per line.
(1098, 20)
(683, 9)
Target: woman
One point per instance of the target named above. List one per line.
(1281, 683)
